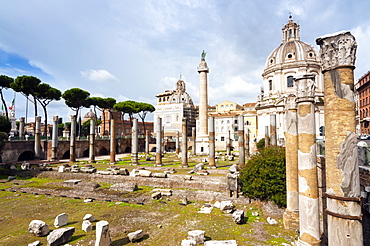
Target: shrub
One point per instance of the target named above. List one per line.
(5, 125)
(263, 176)
(261, 144)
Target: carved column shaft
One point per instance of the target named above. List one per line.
(342, 173)
(72, 149)
(158, 137)
(112, 141)
(241, 141)
(92, 141)
(203, 98)
(134, 143)
(211, 127)
(291, 214)
(54, 139)
(38, 138)
(184, 144)
(309, 219)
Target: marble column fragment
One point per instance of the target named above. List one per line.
(309, 219)
(211, 128)
(344, 217)
(247, 145)
(184, 144)
(194, 137)
(134, 143)
(147, 142)
(241, 141)
(72, 148)
(113, 141)
(177, 142)
(54, 139)
(92, 141)
(267, 137)
(38, 138)
(291, 214)
(273, 138)
(158, 137)
(228, 143)
(21, 128)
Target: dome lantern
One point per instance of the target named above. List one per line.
(290, 31)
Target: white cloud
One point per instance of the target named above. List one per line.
(101, 75)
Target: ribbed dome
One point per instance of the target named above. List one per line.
(291, 51)
(180, 95)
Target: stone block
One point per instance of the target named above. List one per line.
(36, 243)
(238, 216)
(102, 234)
(60, 236)
(226, 206)
(197, 236)
(86, 226)
(89, 217)
(135, 236)
(221, 243)
(187, 242)
(160, 175)
(38, 228)
(126, 187)
(61, 220)
(145, 173)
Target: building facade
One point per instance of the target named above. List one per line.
(363, 103)
(172, 106)
(291, 59)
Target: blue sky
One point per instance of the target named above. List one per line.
(135, 49)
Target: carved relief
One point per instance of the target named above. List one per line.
(305, 86)
(337, 50)
(290, 102)
(347, 161)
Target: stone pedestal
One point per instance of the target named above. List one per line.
(343, 211)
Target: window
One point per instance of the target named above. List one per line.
(290, 81)
(235, 121)
(222, 138)
(235, 129)
(228, 122)
(222, 122)
(270, 85)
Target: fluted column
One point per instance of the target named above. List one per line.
(184, 144)
(38, 138)
(92, 141)
(338, 55)
(291, 214)
(112, 141)
(211, 127)
(158, 137)
(241, 141)
(134, 143)
(72, 148)
(309, 219)
(54, 139)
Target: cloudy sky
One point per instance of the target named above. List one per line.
(135, 49)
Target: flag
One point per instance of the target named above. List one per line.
(12, 105)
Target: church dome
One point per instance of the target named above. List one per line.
(180, 95)
(291, 50)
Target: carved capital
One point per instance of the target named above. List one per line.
(337, 49)
(55, 118)
(305, 86)
(73, 117)
(38, 118)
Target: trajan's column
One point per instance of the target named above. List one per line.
(202, 136)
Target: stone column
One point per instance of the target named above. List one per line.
(72, 149)
(203, 96)
(194, 136)
(38, 138)
(342, 173)
(247, 139)
(21, 128)
(309, 219)
(273, 138)
(54, 139)
(228, 143)
(177, 142)
(134, 143)
(158, 137)
(266, 136)
(112, 141)
(92, 142)
(291, 214)
(147, 142)
(211, 127)
(241, 141)
(184, 144)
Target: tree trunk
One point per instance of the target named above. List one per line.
(4, 103)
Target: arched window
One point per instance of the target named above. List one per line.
(270, 85)
(290, 81)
